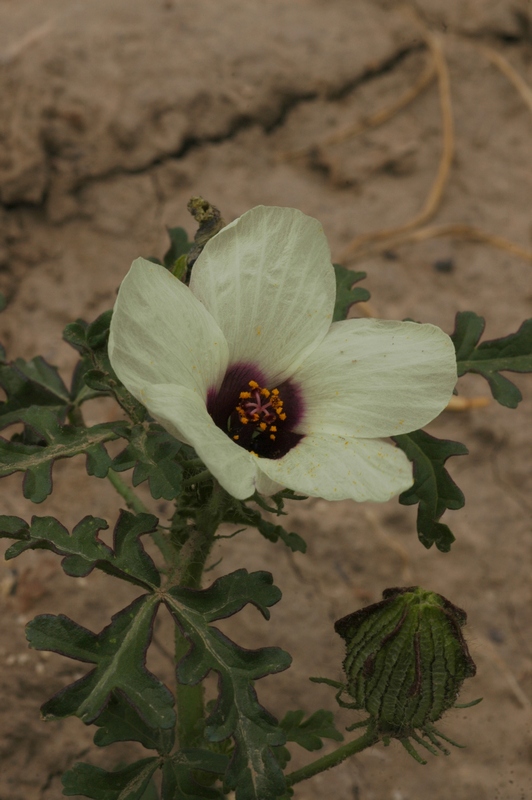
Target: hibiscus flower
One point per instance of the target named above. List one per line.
(245, 365)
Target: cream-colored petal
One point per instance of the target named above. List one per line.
(161, 333)
(184, 415)
(265, 485)
(268, 281)
(373, 378)
(338, 468)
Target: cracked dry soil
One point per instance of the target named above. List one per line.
(111, 116)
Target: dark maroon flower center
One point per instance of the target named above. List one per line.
(256, 417)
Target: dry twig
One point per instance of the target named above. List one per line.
(434, 196)
(373, 121)
(457, 230)
(509, 72)
(459, 403)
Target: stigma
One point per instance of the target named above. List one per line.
(261, 409)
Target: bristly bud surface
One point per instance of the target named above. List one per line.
(406, 660)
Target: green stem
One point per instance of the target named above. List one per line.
(200, 477)
(132, 501)
(135, 504)
(369, 738)
(192, 558)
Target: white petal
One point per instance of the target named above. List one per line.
(372, 378)
(268, 281)
(265, 485)
(337, 468)
(161, 333)
(184, 415)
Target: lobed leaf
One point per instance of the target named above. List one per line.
(120, 722)
(98, 375)
(253, 771)
(151, 454)
(346, 295)
(129, 783)
(119, 655)
(55, 441)
(181, 779)
(511, 353)
(31, 383)
(238, 513)
(83, 550)
(433, 488)
(309, 733)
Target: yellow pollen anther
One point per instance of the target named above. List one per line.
(254, 385)
(263, 426)
(282, 416)
(244, 420)
(275, 391)
(236, 438)
(253, 453)
(245, 395)
(273, 429)
(272, 437)
(264, 393)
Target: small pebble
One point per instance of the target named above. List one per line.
(444, 265)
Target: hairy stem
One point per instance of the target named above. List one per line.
(132, 500)
(200, 477)
(369, 738)
(192, 557)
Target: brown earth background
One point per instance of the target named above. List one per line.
(112, 114)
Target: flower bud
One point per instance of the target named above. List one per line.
(406, 660)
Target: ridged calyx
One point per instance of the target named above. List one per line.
(406, 660)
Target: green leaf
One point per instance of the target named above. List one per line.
(59, 441)
(309, 733)
(31, 383)
(181, 779)
(98, 374)
(253, 771)
(119, 722)
(179, 246)
(238, 513)
(83, 550)
(433, 488)
(511, 353)
(151, 452)
(129, 783)
(346, 295)
(119, 655)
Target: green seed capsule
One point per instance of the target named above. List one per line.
(406, 659)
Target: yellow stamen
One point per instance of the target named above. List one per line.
(272, 437)
(275, 391)
(263, 426)
(282, 416)
(273, 429)
(245, 395)
(254, 385)
(264, 392)
(244, 420)
(236, 438)
(253, 453)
